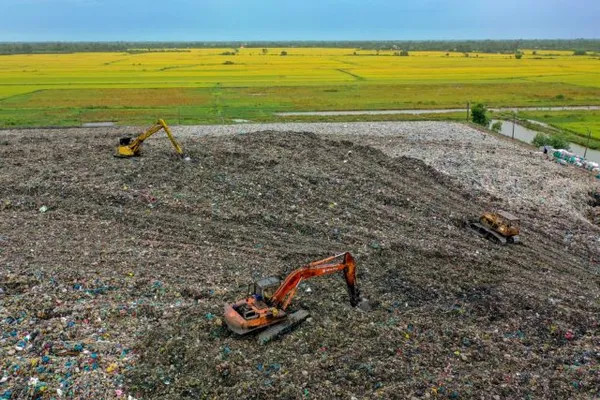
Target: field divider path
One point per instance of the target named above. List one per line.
(357, 77)
(431, 111)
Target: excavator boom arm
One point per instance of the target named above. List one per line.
(284, 294)
(137, 142)
(174, 142)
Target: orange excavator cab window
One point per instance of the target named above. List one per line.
(266, 287)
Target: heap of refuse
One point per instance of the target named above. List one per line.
(115, 272)
(565, 157)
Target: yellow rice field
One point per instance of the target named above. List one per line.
(223, 85)
(204, 68)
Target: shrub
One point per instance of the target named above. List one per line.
(497, 126)
(478, 114)
(518, 56)
(579, 53)
(555, 141)
(283, 53)
(534, 53)
(540, 140)
(559, 142)
(228, 62)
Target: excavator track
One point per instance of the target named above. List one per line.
(488, 233)
(273, 332)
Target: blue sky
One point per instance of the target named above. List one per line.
(213, 20)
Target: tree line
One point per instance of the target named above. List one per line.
(464, 46)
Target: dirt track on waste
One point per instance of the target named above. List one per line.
(114, 272)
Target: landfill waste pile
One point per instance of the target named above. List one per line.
(115, 273)
(483, 164)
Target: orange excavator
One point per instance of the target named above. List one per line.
(268, 300)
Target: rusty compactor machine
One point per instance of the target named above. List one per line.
(500, 227)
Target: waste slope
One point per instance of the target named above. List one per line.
(132, 260)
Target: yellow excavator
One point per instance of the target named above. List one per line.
(129, 147)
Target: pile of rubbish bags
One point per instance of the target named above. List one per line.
(565, 157)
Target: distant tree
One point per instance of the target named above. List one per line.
(228, 62)
(534, 53)
(478, 114)
(404, 53)
(579, 53)
(447, 54)
(265, 51)
(283, 53)
(518, 55)
(464, 46)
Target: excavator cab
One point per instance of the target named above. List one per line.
(259, 297)
(511, 222)
(265, 288)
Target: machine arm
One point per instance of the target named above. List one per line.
(174, 142)
(284, 294)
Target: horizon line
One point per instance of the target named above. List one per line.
(297, 40)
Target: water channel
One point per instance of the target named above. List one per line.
(527, 135)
